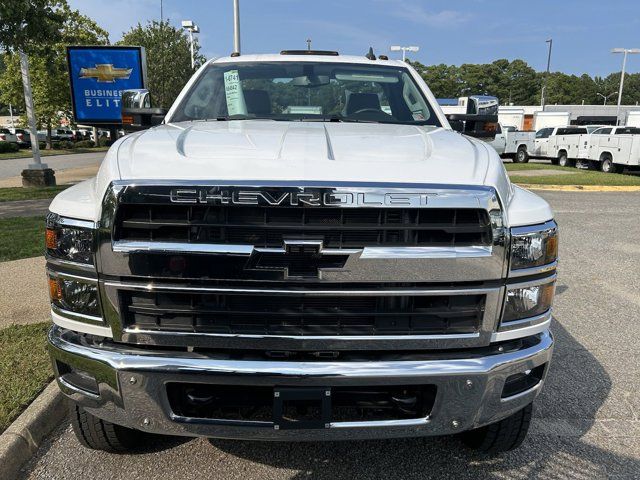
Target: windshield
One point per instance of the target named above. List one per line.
(306, 91)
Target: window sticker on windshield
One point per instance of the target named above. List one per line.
(233, 90)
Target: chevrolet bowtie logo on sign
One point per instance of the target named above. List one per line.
(106, 73)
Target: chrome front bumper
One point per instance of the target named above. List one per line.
(131, 388)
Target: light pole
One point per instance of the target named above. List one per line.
(398, 48)
(605, 97)
(626, 51)
(191, 28)
(236, 27)
(546, 77)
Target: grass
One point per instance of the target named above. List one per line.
(25, 368)
(21, 237)
(21, 193)
(578, 177)
(48, 153)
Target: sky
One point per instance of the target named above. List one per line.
(451, 32)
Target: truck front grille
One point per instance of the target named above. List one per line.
(336, 227)
(302, 314)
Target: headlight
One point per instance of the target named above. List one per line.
(69, 240)
(534, 246)
(525, 302)
(74, 295)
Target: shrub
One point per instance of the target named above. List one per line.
(42, 145)
(62, 145)
(6, 147)
(84, 144)
(104, 142)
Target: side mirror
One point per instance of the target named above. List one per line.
(136, 111)
(478, 126)
(481, 119)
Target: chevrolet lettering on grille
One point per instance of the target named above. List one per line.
(306, 197)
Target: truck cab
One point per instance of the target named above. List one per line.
(301, 248)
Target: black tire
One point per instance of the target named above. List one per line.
(607, 165)
(564, 161)
(501, 436)
(102, 435)
(522, 156)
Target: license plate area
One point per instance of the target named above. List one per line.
(286, 407)
(297, 408)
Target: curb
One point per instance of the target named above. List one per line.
(21, 440)
(581, 188)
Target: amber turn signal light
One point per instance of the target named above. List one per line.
(55, 289)
(51, 239)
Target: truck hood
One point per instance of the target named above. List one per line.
(266, 150)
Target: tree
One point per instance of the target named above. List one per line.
(443, 79)
(25, 27)
(49, 74)
(168, 58)
(29, 25)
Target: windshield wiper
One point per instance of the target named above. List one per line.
(227, 118)
(336, 118)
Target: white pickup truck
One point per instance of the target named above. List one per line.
(612, 149)
(510, 143)
(246, 270)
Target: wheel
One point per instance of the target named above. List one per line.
(522, 156)
(564, 161)
(102, 435)
(607, 165)
(501, 436)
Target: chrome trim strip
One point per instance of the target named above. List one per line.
(56, 273)
(81, 327)
(169, 361)
(533, 283)
(74, 222)
(300, 184)
(59, 262)
(513, 324)
(72, 315)
(522, 332)
(409, 422)
(57, 219)
(135, 246)
(525, 272)
(267, 291)
(333, 338)
(427, 252)
(540, 227)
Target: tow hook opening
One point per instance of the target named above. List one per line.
(523, 381)
(78, 379)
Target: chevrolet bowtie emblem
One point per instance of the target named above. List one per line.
(301, 259)
(106, 73)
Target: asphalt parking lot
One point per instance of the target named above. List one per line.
(587, 420)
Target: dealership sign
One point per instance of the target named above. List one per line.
(98, 76)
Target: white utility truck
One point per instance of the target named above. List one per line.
(511, 117)
(612, 149)
(248, 270)
(558, 144)
(633, 119)
(550, 119)
(510, 143)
